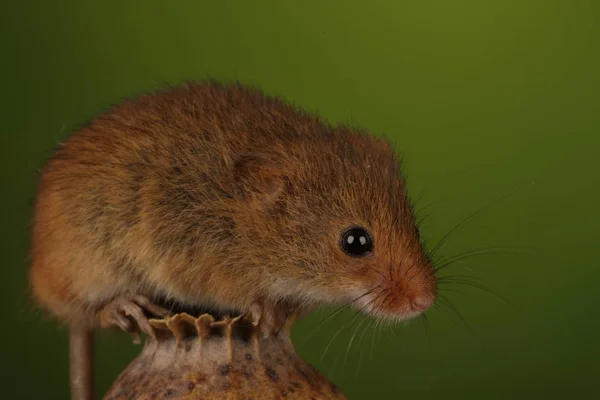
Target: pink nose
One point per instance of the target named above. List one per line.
(421, 302)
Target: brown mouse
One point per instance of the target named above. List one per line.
(221, 196)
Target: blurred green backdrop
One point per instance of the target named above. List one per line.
(482, 98)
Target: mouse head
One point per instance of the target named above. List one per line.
(336, 226)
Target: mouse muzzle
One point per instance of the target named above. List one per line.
(398, 295)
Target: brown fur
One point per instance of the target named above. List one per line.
(219, 195)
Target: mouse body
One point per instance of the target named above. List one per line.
(219, 195)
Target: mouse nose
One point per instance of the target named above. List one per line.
(421, 302)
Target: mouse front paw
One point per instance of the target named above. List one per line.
(128, 312)
(269, 319)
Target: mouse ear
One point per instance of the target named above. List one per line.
(258, 177)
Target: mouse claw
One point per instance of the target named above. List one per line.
(136, 338)
(128, 312)
(255, 313)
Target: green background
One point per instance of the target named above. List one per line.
(483, 98)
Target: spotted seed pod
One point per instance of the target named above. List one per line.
(201, 358)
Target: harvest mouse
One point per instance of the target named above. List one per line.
(220, 196)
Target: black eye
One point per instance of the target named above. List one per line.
(356, 242)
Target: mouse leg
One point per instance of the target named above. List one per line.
(278, 318)
(271, 319)
(128, 312)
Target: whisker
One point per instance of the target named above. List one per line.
(453, 291)
(438, 306)
(426, 206)
(414, 274)
(351, 340)
(357, 314)
(385, 278)
(421, 219)
(417, 199)
(470, 217)
(427, 330)
(444, 263)
(367, 323)
(459, 315)
(469, 281)
(373, 336)
(389, 297)
(331, 341)
(339, 309)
